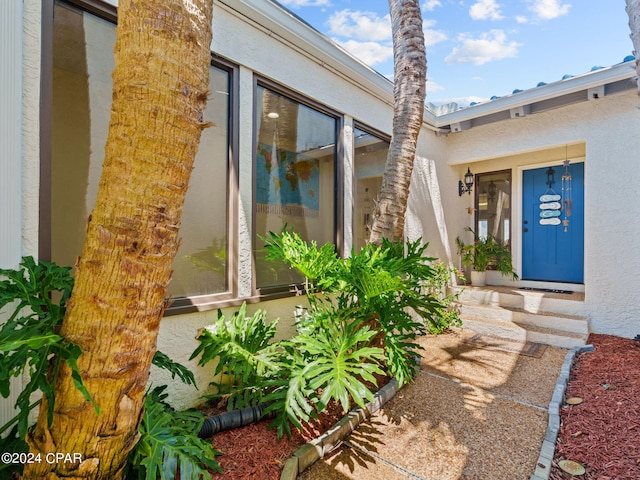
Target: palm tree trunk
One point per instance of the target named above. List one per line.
(410, 76)
(633, 11)
(160, 82)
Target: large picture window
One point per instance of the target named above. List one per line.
(294, 172)
(81, 100)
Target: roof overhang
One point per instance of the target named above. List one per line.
(588, 86)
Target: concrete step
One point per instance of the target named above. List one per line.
(532, 301)
(550, 318)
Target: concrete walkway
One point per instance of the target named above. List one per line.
(477, 410)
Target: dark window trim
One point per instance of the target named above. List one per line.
(97, 7)
(108, 12)
(281, 291)
(476, 201)
(371, 131)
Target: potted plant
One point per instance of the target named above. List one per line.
(485, 253)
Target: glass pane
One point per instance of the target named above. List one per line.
(294, 177)
(494, 205)
(370, 155)
(82, 66)
(201, 263)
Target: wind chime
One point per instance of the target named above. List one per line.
(567, 201)
(552, 205)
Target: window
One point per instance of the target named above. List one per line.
(294, 175)
(370, 156)
(81, 99)
(493, 200)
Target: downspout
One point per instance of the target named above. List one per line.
(234, 419)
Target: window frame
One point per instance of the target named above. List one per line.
(108, 12)
(281, 291)
(476, 195)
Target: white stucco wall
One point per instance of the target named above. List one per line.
(600, 132)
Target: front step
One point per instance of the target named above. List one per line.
(525, 315)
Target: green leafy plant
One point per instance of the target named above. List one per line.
(385, 284)
(241, 346)
(162, 361)
(29, 338)
(328, 359)
(169, 443)
(484, 253)
(36, 295)
(364, 315)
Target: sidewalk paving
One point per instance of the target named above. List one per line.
(475, 411)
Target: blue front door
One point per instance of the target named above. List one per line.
(553, 253)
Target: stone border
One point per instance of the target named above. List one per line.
(543, 466)
(316, 449)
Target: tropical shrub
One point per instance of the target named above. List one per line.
(30, 343)
(364, 315)
(37, 295)
(245, 359)
(169, 443)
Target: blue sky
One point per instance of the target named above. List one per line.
(480, 48)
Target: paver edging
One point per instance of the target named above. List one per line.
(316, 449)
(547, 451)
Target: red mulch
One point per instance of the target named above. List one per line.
(603, 433)
(255, 453)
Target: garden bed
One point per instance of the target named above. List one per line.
(254, 452)
(602, 433)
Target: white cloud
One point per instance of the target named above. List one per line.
(306, 3)
(371, 53)
(431, 36)
(430, 5)
(549, 9)
(485, 10)
(365, 26)
(489, 46)
(521, 19)
(368, 36)
(433, 86)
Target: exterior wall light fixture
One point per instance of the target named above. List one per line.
(468, 183)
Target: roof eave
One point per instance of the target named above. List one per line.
(621, 71)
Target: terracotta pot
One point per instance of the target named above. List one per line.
(478, 279)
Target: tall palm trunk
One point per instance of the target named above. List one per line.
(410, 76)
(633, 11)
(160, 82)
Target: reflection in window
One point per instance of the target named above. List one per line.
(370, 155)
(294, 177)
(494, 205)
(82, 66)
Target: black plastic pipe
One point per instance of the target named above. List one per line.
(233, 419)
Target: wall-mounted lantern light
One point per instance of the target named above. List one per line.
(468, 183)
